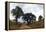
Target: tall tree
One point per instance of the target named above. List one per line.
(17, 12)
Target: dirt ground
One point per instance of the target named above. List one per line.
(36, 24)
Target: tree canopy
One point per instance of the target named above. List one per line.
(17, 11)
(29, 16)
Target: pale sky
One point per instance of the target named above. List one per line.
(35, 9)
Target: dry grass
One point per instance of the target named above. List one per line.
(14, 26)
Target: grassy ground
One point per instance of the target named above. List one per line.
(37, 24)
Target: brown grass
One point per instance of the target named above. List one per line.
(14, 26)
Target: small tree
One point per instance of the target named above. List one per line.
(40, 18)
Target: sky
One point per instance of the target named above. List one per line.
(35, 9)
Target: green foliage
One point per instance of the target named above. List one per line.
(17, 11)
(40, 18)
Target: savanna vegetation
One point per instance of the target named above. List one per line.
(29, 17)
